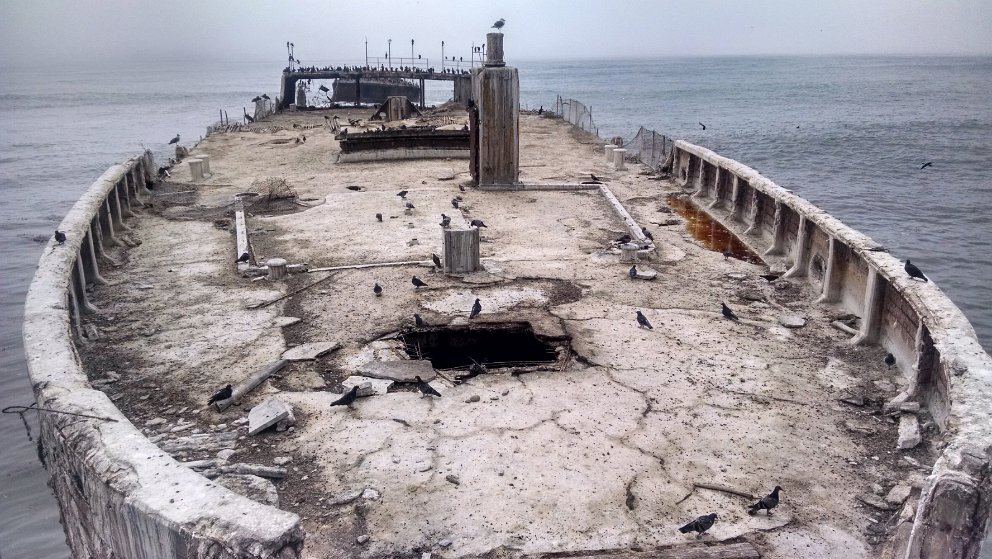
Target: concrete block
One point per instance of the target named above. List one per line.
(792, 321)
(255, 488)
(646, 274)
(399, 371)
(898, 494)
(267, 414)
(309, 351)
(286, 422)
(909, 431)
(368, 386)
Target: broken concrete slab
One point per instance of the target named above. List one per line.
(399, 371)
(909, 431)
(286, 422)
(309, 351)
(877, 502)
(284, 321)
(646, 274)
(898, 494)
(791, 321)
(254, 487)
(368, 386)
(267, 414)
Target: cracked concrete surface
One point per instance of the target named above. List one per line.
(600, 455)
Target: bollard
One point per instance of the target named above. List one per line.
(608, 149)
(277, 268)
(196, 169)
(206, 164)
(628, 252)
(618, 158)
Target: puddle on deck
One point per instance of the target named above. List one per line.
(710, 233)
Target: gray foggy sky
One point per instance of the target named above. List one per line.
(51, 31)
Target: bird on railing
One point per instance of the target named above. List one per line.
(60, 237)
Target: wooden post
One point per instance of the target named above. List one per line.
(250, 384)
(277, 268)
(496, 90)
(195, 169)
(461, 251)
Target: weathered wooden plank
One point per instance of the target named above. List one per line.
(700, 550)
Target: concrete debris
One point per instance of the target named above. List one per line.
(364, 538)
(452, 478)
(267, 414)
(444, 543)
(253, 487)
(898, 494)
(370, 494)
(226, 454)
(858, 427)
(154, 422)
(894, 403)
(309, 351)
(737, 276)
(287, 423)
(367, 386)
(792, 321)
(282, 460)
(646, 274)
(473, 398)
(909, 431)
(201, 442)
(875, 501)
(399, 371)
(345, 498)
(851, 397)
(284, 321)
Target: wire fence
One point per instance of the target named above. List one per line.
(648, 147)
(578, 114)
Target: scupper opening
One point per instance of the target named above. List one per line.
(512, 344)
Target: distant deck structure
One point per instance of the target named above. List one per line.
(461, 82)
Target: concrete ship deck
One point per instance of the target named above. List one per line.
(600, 451)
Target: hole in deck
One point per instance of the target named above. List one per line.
(512, 344)
(711, 233)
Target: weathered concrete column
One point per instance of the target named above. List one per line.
(757, 211)
(778, 231)
(241, 236)
(719, 183)
(115, 210)
(619, 163)
(277, 268)
(953, 508)
(872, 315)
(206, 163)
(831, 277)
(737, 199)
(801, 250)
(702, 178)
(608, 152)
(124, 196)
(195, 169)
(496, 90)
(79, 286)
(107, 225)
(88, 255)
(461, 251)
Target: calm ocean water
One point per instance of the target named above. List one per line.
(847, 133)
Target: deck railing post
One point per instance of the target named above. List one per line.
(778, 230)
(871, 317)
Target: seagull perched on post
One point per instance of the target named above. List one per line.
(499, 24)
(174, 140)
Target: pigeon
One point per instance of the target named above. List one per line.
(642, 321)
(461, 187)
(257, 99)
(633, 271)
(174, 140)
(266, 97)
(347, 398)
(459, 198)
(703, 125)
(727, 255)
(624, 239)
(927, 164)
(445, 221)
(402, 194)
(476, 309)
(426, 389)
(435, 260)
(418, 321)
(245, 257)
(594, 178)
(770, 277)
(377, 289)
(767, 503)
(914, 272)
(222, 394)
(417, 282)
(59, 237)
(410, 206)
(890, 360)
(454, 203)
(499, 24)
(646, 233)
(477, 223)
(378, 217)
(728, 312)
(700, 524)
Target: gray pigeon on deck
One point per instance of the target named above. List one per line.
(728, 312)
(417, 282)
(633, 271)
(890, 360)
(59, 237)
(642, 321)
(377, 289)
(476, 309)
(477, 223)
(348, 398)
(700, 524)
(418, 321)
(426, 389)
(445, 221)
(767, 503)
(378, 217)
(222, 394)
(436, 260)
(914, 272)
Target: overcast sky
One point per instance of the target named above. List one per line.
(49, 31)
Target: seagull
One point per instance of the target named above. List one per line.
(402, 194)
(703, 125)
(499, 24)
(927, 164)
(914, 272)
(435, 260)
(347, 398)
(174, 140)
(222, 394)
(700, 524)
(454, 203)
(646, 233)
(642, 321)
(417, 282)
(476, 309)
(377, 289)
(426, 389)
(410, 206)
(728, 312)
(477, 223)
(767, 503)
(59, 237)
(378, 217)
(420, 322)
(890, 360)
(445, 221)
(245, 257)
(633, 271)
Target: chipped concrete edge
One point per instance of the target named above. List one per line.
(119, 494)
(958, 488)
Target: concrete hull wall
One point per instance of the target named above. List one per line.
(934, 344)
(121, 496)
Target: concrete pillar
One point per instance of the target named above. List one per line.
(107, 224)
(719, 178)
(872, 315)
(195, 169)
(74, 315)
(628, 253)
(831, 277)
(277, 268)
(88, 255)
(140, 185)
(125, 196)
(206, 163)
(757, 211)
(778, 231)
(496, 90)
(461, 251)
(619, 163)
(737, 199)
(800, 253)
(115, 210)
(241, 234)
(79, 283)
(608, 152)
